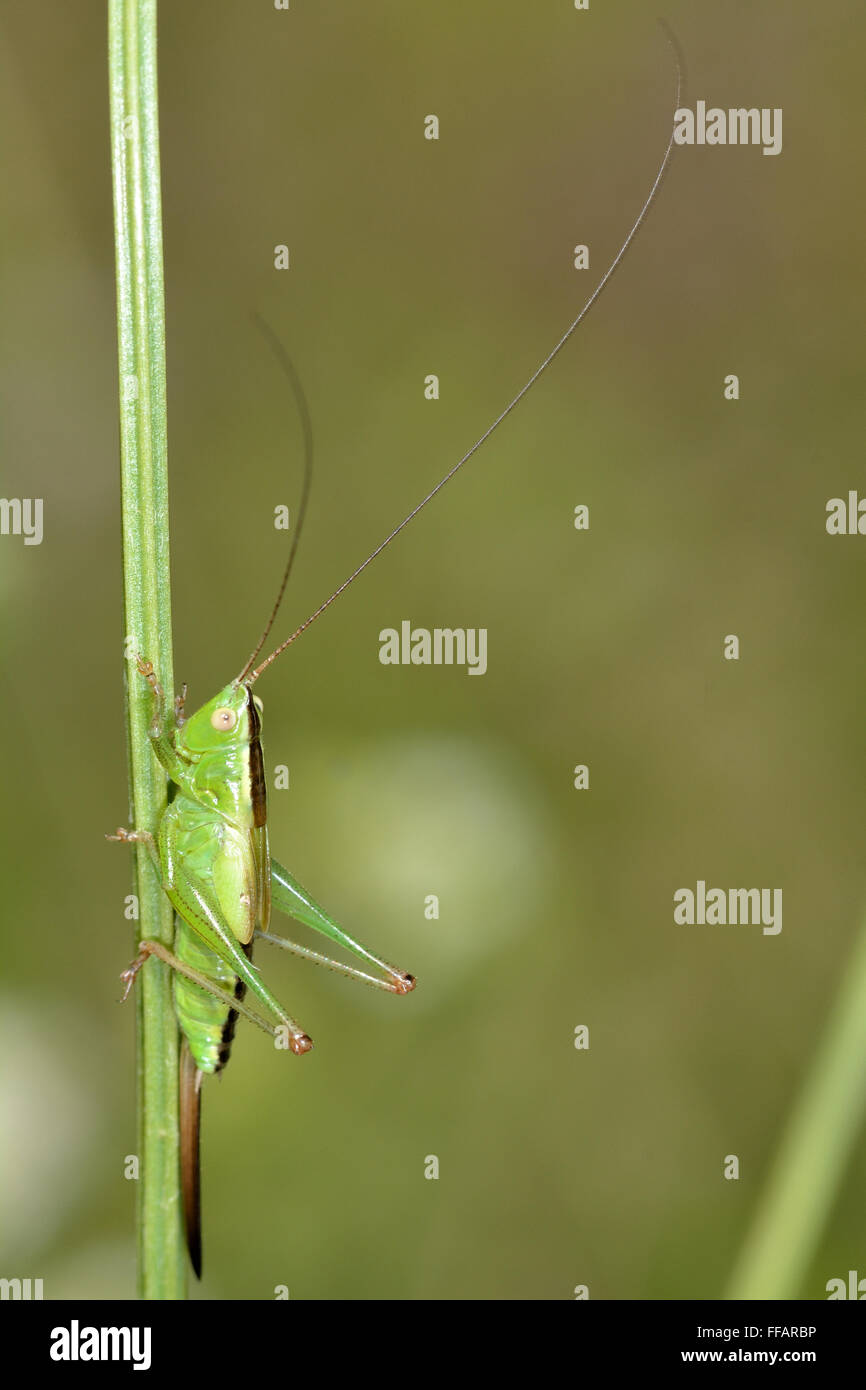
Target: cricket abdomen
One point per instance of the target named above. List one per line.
(206, 1022)
(216, 861)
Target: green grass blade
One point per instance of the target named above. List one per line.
(815, 1147)
(147, 607)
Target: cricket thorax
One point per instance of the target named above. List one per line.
(222, 744)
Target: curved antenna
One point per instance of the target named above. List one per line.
(306, 425)
(512, 403)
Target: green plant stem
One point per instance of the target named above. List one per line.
(811, 1159)
(147, 608)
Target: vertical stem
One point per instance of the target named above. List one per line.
(815, 1147)
(147, 608)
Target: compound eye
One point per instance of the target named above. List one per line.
(224, 720)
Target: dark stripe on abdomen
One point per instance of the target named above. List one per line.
(228, 1032)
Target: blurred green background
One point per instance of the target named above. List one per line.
(557, 1167)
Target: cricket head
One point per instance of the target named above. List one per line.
(231, 719)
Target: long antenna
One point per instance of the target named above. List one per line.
(511, 404)
(306, 425)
